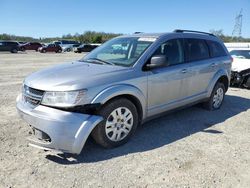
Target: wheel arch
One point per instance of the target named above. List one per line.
(129, 92)
(222, 76)
(224, 79)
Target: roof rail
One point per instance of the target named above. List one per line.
(137, 32)
(191, 31)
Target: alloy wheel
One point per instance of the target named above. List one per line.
(119, 124)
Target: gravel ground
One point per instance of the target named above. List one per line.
(187, 148)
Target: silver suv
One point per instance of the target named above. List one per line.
(120, 85)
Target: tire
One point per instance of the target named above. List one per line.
(68, 50)
(59, 51)
(115, 130)
(22, 49)
(14, 50)
(43, 51)
(216, 99)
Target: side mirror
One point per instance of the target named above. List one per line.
(158, 61)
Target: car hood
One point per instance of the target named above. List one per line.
(239, 65)
(74, 76)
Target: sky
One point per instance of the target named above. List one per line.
(51, 18)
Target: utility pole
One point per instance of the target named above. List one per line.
(238, 26)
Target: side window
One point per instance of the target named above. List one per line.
(216, 50)
(196, 49)
(173, 50)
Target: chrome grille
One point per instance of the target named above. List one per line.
(32, 96)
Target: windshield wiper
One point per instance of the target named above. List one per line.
(99, 61)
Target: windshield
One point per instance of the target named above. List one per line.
(120, 51)
(243, 54)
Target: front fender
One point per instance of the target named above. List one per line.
(121, 89)
(216, 77)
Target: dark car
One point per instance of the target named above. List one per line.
(30, 46)
(50, 48)
(85, 48)
(9, 46)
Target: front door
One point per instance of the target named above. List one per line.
(167, 85)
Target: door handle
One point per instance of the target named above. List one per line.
(184, 71)
(213, 65)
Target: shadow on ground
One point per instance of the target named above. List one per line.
(162, 131)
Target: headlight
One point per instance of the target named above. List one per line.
(63, 98)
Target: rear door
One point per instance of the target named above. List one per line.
(201, 68)
(6, 46)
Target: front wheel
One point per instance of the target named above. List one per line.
(216, 99)
(120, 122)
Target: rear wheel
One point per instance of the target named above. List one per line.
(59, 51)
(43, 51)
(14, 50)
(119, 124)
(216, 99)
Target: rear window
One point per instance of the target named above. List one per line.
(196, 49)
(216, 50)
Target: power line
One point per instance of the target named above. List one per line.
(238, 25)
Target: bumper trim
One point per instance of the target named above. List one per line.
(68, 130)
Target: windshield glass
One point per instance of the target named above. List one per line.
(120, 51)
(243, 54)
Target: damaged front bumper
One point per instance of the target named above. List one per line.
(56, 129)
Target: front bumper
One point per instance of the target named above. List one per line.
(68, 131)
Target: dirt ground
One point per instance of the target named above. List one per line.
(187, 148)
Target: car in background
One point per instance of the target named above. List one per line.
(50, 48)
(9, 46)
(63, 43)
(70, 47)
(240, 74)
(236, 45)
(30, 46)
(85, 48)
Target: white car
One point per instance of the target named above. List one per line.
(69, 47)
(240, 75)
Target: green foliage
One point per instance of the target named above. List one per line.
(86, 37)
(219, 33)
(100, 37)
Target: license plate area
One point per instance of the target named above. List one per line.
(40, 135)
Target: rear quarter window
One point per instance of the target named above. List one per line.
(216, 49)
(196, 49)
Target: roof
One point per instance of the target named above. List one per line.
(187, 33)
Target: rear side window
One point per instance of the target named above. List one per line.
(196, 49)
(216, 50)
